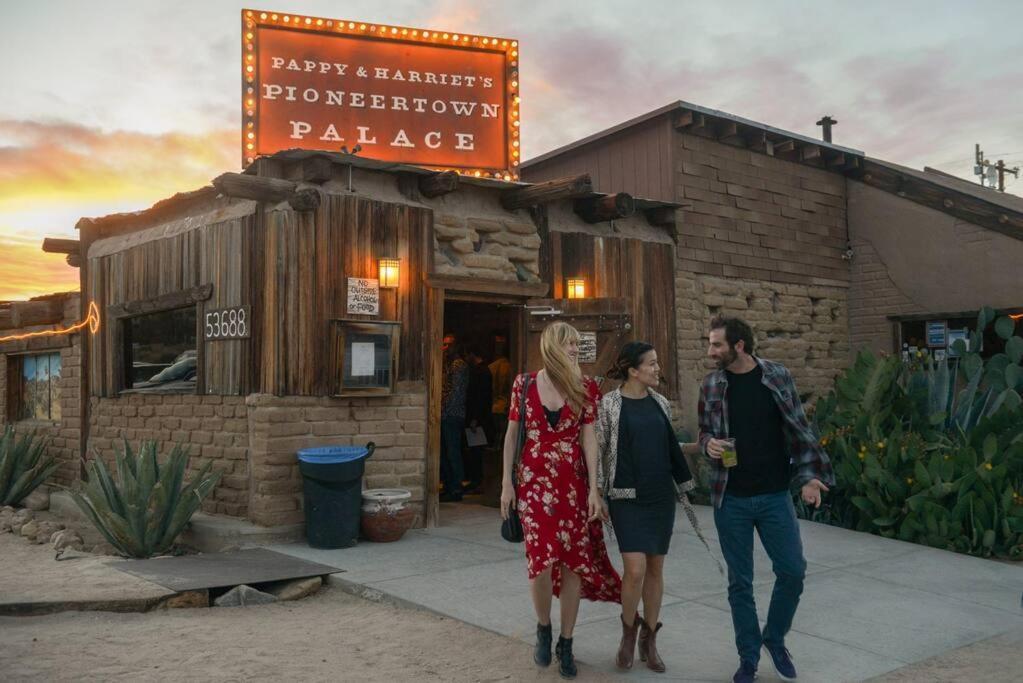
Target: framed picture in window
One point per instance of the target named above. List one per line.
(367, 357)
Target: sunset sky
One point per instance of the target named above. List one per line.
(109, 106)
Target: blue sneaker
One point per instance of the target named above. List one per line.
(782, 660)
(747, 673)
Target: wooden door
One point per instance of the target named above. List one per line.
(608, 321)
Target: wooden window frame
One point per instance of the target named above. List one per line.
(15, 378)
(121, 314)
(340, 330)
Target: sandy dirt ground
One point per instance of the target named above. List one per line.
(331, 636)
(994, 660)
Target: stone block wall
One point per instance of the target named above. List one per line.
(63, 436)
(486, 248)
(214, 428)
(281, 425)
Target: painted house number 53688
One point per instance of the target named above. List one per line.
(228, 323)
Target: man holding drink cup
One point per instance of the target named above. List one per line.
(759, 442)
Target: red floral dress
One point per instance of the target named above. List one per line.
(552, 490)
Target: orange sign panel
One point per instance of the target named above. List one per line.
(443, 100)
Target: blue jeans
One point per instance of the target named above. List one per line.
(451, 467)
(774, 518)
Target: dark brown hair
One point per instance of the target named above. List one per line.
(736, 330)
(630, 357)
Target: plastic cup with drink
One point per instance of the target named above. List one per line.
(729, 456)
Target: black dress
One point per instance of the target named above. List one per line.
(644, 524)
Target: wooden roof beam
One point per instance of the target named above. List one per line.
(808, 152)
(572, 187)
(606, 208)
(787, 145)
(264, 189)
(661, 216)
(438, 184)
(54, 245)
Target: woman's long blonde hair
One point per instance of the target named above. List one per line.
(563, 372)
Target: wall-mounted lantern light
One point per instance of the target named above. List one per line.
(576, 288)
(390, 272)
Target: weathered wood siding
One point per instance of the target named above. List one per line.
(291, 268)
(637, 270)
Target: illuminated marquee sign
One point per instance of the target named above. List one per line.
(436, 99)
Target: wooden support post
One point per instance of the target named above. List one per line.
(438, 184)
(606, 208)
(53, 245)
(541, 193)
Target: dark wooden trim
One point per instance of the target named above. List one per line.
(963, 206)
(166, 302)
(55, 245)
(438, 184)
(457, 283)
(605, 208)
(541, 193)
(434, 386)
(36, 344)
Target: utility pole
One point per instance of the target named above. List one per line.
(992, 172)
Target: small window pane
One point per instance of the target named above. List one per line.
(163, 352)
(42, 388)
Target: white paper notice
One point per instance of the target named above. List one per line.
(363, 296)
(587, 347)
(363, 359)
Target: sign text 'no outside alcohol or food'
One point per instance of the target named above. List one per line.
(423, 97)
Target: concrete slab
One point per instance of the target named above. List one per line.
(698, 644)
(883, 618)
(994, 584)
(871, 605)
(416, 553)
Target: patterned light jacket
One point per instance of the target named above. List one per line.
(608, 420)
(808, 459)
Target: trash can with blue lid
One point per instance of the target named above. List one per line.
(332, 483)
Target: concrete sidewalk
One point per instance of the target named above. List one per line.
(871, 605)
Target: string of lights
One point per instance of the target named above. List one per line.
(91, 321)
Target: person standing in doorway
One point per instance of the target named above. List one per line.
(501, 372)
(452, 419)
(643, 471)
(557, 498)
(478, 404)
(758, 441)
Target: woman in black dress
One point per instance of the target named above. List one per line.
(642, 472)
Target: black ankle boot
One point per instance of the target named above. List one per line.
(542, 651)
(566, 662)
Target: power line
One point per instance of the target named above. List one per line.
(992, 173)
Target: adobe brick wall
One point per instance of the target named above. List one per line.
(803, 327)
(909, 259)
(761, 238)
(281, 425)
(215, 428)
(63, 436)
(758, 217)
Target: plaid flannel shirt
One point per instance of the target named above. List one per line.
(808, 459)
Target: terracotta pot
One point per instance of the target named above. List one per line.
(386, 514)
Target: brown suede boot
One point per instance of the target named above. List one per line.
(627, 648)
(648, 647)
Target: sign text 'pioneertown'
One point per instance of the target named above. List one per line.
(406, 95)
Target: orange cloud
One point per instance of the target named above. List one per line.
(25, 271)
(49, 171)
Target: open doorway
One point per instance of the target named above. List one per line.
(481, 359)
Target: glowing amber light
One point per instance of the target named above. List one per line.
(390, 271)
(1017, 316)
(91, 321)
(576, 288)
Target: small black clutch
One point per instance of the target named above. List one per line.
(511, 528)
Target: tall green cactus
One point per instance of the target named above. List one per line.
(142, 513)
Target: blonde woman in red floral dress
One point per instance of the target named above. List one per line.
(558, 501)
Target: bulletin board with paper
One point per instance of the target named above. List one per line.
(367, 357)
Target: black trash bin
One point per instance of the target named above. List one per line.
(332, 483)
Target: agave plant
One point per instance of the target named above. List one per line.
(23, 466)
(142, 513)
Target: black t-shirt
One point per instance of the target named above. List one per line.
(756, 424)
(644, 450)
